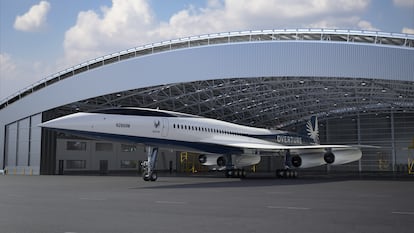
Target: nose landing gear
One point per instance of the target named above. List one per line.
(149, 173)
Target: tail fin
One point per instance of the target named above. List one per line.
(312, 129)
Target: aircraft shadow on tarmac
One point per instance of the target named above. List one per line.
(201, 182)
(234, 183)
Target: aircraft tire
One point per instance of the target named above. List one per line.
(153, 176)
(237, 173)
(146, 177)
(286, 173)
(243, 174)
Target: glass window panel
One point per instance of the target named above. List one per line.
(103, 146)
(76, 164)
(129, 164)
(76, 145)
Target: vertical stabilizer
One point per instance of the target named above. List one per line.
(312, 129)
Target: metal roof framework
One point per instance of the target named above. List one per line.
(270, 102)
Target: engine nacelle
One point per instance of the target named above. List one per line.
(245, 160)
(209, 159)
(346, 155)
(238, 161)
(312, 158)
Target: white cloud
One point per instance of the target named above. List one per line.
(365, 25)
(123, 25)
(129, 23)
(6, 64)
(408, 30)
(16, 74)
(7, 69)
(34, 19)
(403, 3)
(260, 14)
(353, 22)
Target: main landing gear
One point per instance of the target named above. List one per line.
(289, 163)
(230, 171)
(286, 173)
(149, 173)
(235, 173)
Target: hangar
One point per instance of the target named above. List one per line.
(360, 84)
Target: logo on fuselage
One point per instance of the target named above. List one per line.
(157, 124)
(156, 129)
(285, 139)
(123, 125)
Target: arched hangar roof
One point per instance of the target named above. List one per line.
(266, 78)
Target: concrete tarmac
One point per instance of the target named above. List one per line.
(87, 204)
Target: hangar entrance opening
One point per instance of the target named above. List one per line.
(391, 132)
(350, 111)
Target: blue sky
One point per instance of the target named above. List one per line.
(42, 37)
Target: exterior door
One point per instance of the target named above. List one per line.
(165, 127)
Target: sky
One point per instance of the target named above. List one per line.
(41, 37)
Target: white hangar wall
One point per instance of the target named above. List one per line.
(231, 60)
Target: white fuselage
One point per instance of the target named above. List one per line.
(193, 133)
(157, 129)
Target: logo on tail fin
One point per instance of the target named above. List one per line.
(312, 129)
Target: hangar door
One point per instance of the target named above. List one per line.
(22, 146)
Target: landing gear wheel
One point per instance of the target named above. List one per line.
(146, 177)
(236, 173)
(150, 177)
(153, 176)
(286, 173)
(243, 174)
(229, 173)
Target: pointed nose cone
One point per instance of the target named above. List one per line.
(69, 122)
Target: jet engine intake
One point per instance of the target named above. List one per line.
(202, 159)
(296, 161)
(221, 161)
(329, 157)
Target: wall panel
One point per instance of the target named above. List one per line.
(11, 145)
(23, 142)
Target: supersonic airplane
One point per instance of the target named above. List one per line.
(223, 145)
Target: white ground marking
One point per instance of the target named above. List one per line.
(288, 207)
(402, 212)
(92, 199)
(171, 202)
